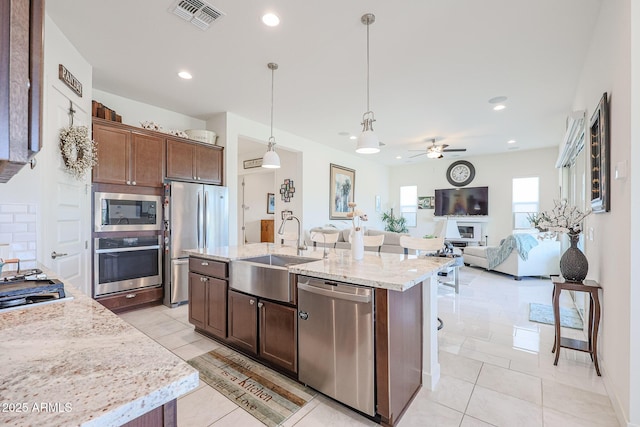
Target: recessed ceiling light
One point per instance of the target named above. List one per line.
(511, 141)
(499, 107)
(270, 20)
(353, 137)
(497, 99)
(398, 157)
(185, 75)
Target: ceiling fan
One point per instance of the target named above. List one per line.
(435, 151)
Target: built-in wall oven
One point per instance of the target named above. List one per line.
(126, 263)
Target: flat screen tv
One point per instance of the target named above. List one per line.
(462, 201)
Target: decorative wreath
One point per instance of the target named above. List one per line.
(79, 152)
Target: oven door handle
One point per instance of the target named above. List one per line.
(137, 248)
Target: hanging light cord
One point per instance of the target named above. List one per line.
(273, 68)
(368, 24)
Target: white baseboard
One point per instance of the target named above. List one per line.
(613, 396)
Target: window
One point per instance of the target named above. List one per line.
(526, 200)
(409, 204)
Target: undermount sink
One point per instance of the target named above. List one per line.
(266, 276)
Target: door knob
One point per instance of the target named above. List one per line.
(55, 255)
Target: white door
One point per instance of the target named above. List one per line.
(66, 203)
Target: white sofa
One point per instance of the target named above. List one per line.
(543, 260)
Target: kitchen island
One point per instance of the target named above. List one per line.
(406, 310)
(73, 362)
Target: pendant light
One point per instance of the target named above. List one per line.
(368, 142)
(271, 160)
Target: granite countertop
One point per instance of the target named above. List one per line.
(395, 272)
(73, 362)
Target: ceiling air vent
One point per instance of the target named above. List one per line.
(199, 13)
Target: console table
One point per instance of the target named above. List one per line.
(591, 345)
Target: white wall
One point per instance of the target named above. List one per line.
(310, 172)
(495, 171)
(134, 112)
(608, 69)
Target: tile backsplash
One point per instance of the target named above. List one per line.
(18, 236)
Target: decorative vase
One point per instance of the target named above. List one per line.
(357, 244)
(573, 263)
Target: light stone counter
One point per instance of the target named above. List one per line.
(395, 272)
(74, 362)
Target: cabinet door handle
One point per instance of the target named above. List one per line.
(204, 263)
(203, 279)
(133, 183)
(129, 296)
(128, 182)
(251, 302)
(260, 305)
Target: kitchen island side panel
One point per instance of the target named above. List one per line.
(398, 350)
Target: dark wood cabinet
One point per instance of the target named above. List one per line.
(133, 299)
(193, 161)
(21, 65)
(127, 157)
(278, 334)
(208, 296)
(243, 321)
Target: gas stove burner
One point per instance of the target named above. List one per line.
(33, 274)
(13, 302)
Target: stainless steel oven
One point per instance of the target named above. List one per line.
(125, 263)
(127, 212)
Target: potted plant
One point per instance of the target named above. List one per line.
(396, 224)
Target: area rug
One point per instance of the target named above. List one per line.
(542, 313)
(268, 396)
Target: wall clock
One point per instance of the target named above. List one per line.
(460, 173)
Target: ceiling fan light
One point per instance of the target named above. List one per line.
(433, 154)
(368, 143)
(271, 160)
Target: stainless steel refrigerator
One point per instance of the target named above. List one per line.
(196, 217)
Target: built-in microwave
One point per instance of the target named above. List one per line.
(127, 212)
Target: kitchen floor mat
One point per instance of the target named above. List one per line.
(267, 395)
(542, 313)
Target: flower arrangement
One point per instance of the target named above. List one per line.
(79, 152)
(397, 224)
(562, 218)
(357, 216)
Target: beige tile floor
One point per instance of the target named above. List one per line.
(497, 366)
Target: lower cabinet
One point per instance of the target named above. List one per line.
(132, 299)
(264, 328)
(208, 304)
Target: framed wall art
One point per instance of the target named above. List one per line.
(271, 203)
(600, 157)
(287, 190)
(426, 202)
(341, 190)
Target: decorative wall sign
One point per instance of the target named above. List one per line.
(341, 191)
(599, 132)
(253, 163)
(286, 190)
(70, 80)
(286, 214)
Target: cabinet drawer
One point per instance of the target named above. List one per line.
(131, 299)
(208, 267)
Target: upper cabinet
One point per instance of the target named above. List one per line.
(193, 161)
(21, 46)
(127, 157)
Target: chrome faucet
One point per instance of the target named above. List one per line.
(301, 245)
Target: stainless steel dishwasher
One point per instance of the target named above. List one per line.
(336, 341)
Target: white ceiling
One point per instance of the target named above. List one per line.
(434, 66)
